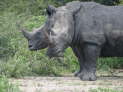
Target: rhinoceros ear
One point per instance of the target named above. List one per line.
(26, 34)
(50, 10)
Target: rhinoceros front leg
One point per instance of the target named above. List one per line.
(90, 54)
(77, 51)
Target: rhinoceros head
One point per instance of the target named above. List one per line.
(37, 39)
(61, 29)
(57, 33)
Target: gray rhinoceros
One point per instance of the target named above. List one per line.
(90, 29)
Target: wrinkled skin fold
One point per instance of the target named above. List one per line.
(90, 29)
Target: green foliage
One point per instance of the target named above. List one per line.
(103, 90)
(32, 7)
(7, 35)
(34, 22)
(15, 58)
(121, 2)
(37, 7)
(5, 86)
(111, 62)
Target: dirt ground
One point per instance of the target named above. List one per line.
(67, 84)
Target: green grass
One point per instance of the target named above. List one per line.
(6, 86)
(104, 90)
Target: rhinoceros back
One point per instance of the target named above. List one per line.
(101, 25)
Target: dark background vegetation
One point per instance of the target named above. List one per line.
(15, 58)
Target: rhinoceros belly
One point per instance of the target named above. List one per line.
(115, 50)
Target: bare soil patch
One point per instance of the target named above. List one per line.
(66, 84)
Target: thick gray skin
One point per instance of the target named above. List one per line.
(98, 31)
(90, 29)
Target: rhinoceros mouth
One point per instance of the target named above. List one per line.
(54, 53)
(42, 46)
(33, 49)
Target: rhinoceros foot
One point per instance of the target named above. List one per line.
(87, 76)
(77, 73)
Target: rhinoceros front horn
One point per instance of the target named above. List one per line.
(26, 34)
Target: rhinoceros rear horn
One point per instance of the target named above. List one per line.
(50, 10)
(26, 34)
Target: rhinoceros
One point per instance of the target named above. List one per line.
(92, 30)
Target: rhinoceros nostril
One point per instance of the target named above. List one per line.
(30, 46)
